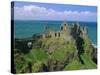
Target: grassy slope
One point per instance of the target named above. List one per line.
(18, 57)
(58, 54)
(37, 55)
(88, 62)
(74, 65)
(86, 56)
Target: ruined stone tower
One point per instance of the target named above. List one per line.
(64, 26)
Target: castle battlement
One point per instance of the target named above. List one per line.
(65, 31)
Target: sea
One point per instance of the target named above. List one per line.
(26, 28)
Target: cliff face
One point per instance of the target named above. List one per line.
(67, 49)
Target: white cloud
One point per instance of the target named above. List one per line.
(41, 13)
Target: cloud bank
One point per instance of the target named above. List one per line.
(41, 13)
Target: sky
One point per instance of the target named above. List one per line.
(48, 11)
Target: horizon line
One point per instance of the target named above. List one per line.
(51, 20)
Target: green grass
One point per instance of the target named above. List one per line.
(36, 66)
(55, 41)
(88, 62)
(19, 60)
(71, 47)
(87, 48)
(86, 56)
(58, 54)
(37, 55)
(74, 65)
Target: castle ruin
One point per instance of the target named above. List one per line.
(65, 31)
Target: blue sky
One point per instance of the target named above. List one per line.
(48, 11)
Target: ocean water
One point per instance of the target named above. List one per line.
(24, 29)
